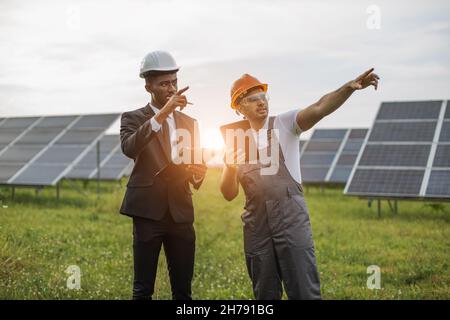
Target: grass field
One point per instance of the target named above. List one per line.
(40, 238)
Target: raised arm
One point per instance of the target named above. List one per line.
(330, 102)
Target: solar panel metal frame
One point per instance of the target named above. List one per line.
(428, 169)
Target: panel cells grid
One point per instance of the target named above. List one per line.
(347, 158)
(395, 155)
(38, 150)
(393, 182)
(439, 184)
(442, 157)
(409, 110)
(113, 163)
(330, 154)
(311, 174)
(334, 134)
(445, 131)
(319, 154)
(403, 131)
(396, 160)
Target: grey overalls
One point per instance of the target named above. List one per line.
(278, 241)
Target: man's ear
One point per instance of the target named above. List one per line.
(148, 88)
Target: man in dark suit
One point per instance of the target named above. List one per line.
(158, 195)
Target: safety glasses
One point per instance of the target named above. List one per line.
(256, 97)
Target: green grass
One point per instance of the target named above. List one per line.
(40, 238)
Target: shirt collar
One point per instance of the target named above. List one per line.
(156, 110)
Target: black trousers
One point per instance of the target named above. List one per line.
(178, 240)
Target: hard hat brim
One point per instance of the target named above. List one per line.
(142, 73)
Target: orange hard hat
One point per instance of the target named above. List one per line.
(242, 85)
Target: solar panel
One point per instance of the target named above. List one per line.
(312, 174)
(82, 137)
(353, 145)
(409, 110)
(395, 155)
(110, 173)
(117, 159)
(7, 135)
(445, 131)
(341, 174)
(329, 134)
(438, 184)
(302, 144)
(40, 150)
(59, 154)
(358, 134)
(442, 157)
(19, 122)
(324, 146)
(406, 154)
(346, 159)
(330, 154)
(19, 154)
(387, 182)
(447, 113)
(318, 159)
(113, 164)
(40, 174)
(401, 131)
(55, 122)
(7, 170)
(95, 121)
(39, 136)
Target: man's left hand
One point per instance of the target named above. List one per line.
(368, 78)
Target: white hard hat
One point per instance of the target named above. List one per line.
(158, 61)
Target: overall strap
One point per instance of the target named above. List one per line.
(269, 139)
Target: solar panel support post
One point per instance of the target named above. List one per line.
(98, 169)
(393, 206)
(57, 192)
(379, 208)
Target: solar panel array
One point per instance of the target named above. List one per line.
(41, 150)
(329, 155)
(302, 145)
(113, 163)
(407, 153)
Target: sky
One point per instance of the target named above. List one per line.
(72, 57)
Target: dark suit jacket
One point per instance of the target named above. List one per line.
(151, 192)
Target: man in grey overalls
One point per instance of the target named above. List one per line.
(278, 240)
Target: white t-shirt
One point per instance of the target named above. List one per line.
(289, 138)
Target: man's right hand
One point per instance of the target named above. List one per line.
(177, 100)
